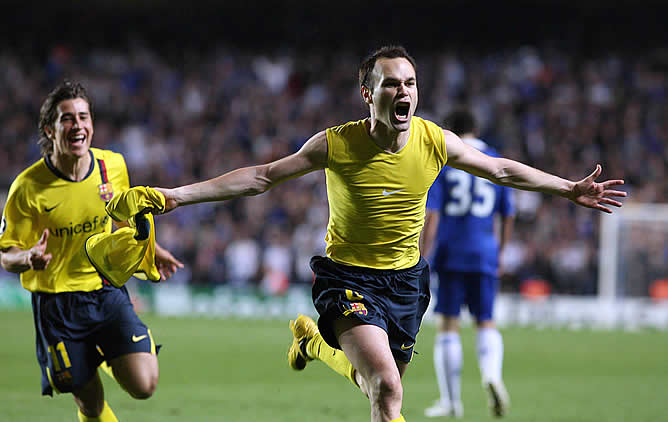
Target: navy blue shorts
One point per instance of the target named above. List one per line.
(456, 289)
(394, 300)
(76, 331)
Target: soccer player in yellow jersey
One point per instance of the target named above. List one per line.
(80, 320)
(372, 289)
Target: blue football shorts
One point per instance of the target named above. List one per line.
(394, 300)
(476, 290)
(76, 331)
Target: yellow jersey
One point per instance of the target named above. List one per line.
(42, 198)
(377, 199)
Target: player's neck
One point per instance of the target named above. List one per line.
(386, 138)
(74, 168)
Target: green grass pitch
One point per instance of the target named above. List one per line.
(235, 370)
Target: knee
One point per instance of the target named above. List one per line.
(386, 389)
(144, 387)
(488, 323)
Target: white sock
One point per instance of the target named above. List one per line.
(448, 364)
(490, 353)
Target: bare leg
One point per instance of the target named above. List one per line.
(368, 349)
(90, 398)
(137, 373)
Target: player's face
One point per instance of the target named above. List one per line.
(72, 131)
(395, 93)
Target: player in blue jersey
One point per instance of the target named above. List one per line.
(459, 235)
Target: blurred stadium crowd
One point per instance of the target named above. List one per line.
(181, 118)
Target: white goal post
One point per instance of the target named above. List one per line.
(623, 233)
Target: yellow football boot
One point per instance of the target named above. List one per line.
(303, 330)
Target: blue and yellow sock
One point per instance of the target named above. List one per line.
(107, 415)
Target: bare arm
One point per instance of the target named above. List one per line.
(253, 180)
(503, 171)
(17, 260)
(431, 220)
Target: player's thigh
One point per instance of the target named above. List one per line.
(124, 333)
(132, 354)
(367, 347)
(128, 346)
(482, 290)
(136, 372)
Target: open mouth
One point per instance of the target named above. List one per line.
(77, 140)
(401, 111)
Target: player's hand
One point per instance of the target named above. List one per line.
(594, 195)
(37, 259)
(170, 200)
(166, 263)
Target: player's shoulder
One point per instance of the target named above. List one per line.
(430, 135)
(427, 129)
(420, 121)
(33, 175)
(110, 157)
(347, 129)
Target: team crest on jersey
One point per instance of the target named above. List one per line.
(3, 225)
(106, 191)
(357, 308)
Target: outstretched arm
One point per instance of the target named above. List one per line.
(253, 180)
(503, 171)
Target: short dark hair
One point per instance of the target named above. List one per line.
(388, 52)
(67, 90)
(460, 121)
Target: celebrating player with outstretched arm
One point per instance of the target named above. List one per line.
(372, 288)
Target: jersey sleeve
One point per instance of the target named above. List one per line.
(435, 195)
(444, 150)
(17, 226)
(125, 178)
(438, 136)
(117, 170)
